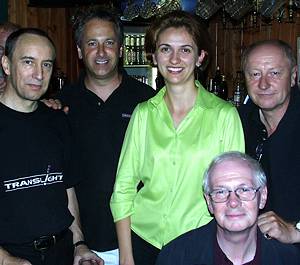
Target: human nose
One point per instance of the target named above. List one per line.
(264, 82)
(38, 72)
(175, 58)
(233, 200)
(100, 49)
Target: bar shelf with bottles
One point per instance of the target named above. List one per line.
(218, 86)
(135, 61)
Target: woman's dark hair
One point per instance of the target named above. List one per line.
(178, 19)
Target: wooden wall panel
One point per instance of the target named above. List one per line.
(55, 21)
(227, 42)
(232, 40)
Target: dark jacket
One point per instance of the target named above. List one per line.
(196, 247)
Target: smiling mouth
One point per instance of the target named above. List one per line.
(175, 69)
(101, 61)
(234, 215)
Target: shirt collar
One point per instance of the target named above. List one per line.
(203, 98)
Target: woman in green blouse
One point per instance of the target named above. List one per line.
(169, 143)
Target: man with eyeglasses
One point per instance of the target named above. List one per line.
(235, 190)
(271, 127)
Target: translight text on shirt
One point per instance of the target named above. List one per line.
(33, 181)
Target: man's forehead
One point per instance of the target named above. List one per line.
(232, 170)
(266, 49)
(30, 42)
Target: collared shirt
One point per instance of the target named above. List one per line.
(98, 129)
(221, 259)
(170, 162)
(280, 155)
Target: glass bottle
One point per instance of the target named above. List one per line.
(223, 89)
(239, 92)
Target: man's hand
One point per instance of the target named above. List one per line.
(55, 104)
(82, 252)
(7, 259)
(272, 225)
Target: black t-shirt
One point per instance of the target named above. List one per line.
(34, 153)
(280, 156)
(98, 128)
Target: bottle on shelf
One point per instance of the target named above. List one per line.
(137, 50)
(223, 89)
(133, 50)
(239, 91)
(218, 78)
(127, 50)
(143, 52)
(217, 83)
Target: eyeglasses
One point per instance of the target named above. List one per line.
(260, 145)
(243, 193)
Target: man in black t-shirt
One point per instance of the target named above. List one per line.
(39, 212)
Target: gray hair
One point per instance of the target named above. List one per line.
(283, 46)
(257, 172)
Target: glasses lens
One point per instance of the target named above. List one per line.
(219, 195)
(245, 193)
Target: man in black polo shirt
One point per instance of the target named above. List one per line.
(271, 126)
(100, 106)
(37, 200)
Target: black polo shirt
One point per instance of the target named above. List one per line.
(280, 156)
(98, 129)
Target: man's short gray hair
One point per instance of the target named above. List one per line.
(257, 173)
(283, 46)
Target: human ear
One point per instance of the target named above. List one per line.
(5, 64)
(209, 203)
(121, 52)
(293, 76)
(201, 58)
(263, 197)
(154, 59)
(79, 52)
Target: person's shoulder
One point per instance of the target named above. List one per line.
(213, 102)
(183, 247)
(287, 253)
(192, 236)
(137, 88)
(70, 92)
(50, 113)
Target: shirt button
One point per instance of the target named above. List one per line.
(99, 103)
(174, 163)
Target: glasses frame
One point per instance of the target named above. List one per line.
(255, 190)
